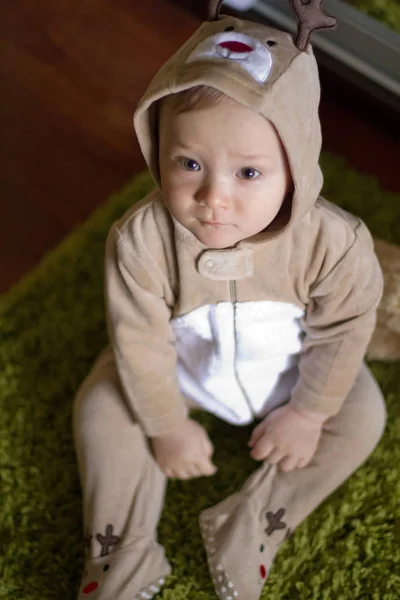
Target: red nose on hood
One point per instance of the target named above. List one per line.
(234, 46)
(90, 587)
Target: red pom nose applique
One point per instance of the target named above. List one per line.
(234, 46)
(93, 585)
(263, 571)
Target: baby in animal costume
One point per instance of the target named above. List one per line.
(236, 289)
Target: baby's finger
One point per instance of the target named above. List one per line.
(288, 463)
(208, 447)
(257, 434)
(184, 475)
(276, 456)
(194, 471)
(262, 449)
(302, 462)
(208, 468)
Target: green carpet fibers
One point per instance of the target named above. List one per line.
(51, 329)
(386, 11)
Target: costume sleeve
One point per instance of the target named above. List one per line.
(339, 322)
(141, 336)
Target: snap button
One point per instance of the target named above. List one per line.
(210, 264)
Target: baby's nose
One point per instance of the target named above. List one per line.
(210, 197)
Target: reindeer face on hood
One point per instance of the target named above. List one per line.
(261, 68)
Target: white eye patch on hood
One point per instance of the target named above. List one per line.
(245, 50)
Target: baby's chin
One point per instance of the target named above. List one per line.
(217, 237)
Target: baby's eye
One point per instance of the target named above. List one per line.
(249, 173)
(189, 164)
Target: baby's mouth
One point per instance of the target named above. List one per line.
(213, 223)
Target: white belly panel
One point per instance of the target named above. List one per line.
(237, 361)
(205, 344)
(269, 339)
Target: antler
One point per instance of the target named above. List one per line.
(310, 17)
(213, 9)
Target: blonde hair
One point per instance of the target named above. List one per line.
(195, 98)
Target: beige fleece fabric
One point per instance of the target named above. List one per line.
(156, 271)
(123, 492)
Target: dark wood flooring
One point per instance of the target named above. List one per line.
(71, 73)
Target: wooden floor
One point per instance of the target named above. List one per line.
(71, 74)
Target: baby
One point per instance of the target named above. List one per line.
(236, 289)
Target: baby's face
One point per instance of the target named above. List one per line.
(224, 173)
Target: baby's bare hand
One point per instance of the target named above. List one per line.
(186, 453)
(286, 437)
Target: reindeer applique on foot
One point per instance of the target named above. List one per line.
(136, 571)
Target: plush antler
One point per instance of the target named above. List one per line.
(310, 17)
(213, 9)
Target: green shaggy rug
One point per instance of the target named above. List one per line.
(386, 11)
(52, 328)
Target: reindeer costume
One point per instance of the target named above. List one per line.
(235, 331)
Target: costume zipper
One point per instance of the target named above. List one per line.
(233, 295)
(232, 290)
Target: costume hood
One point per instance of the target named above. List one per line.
(261, 68)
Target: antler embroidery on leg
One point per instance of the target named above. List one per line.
(107, 540)
(275, 521)
(213, 9)
(310, 17)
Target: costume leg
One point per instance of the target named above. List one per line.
(242, 534)
(123, 491)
